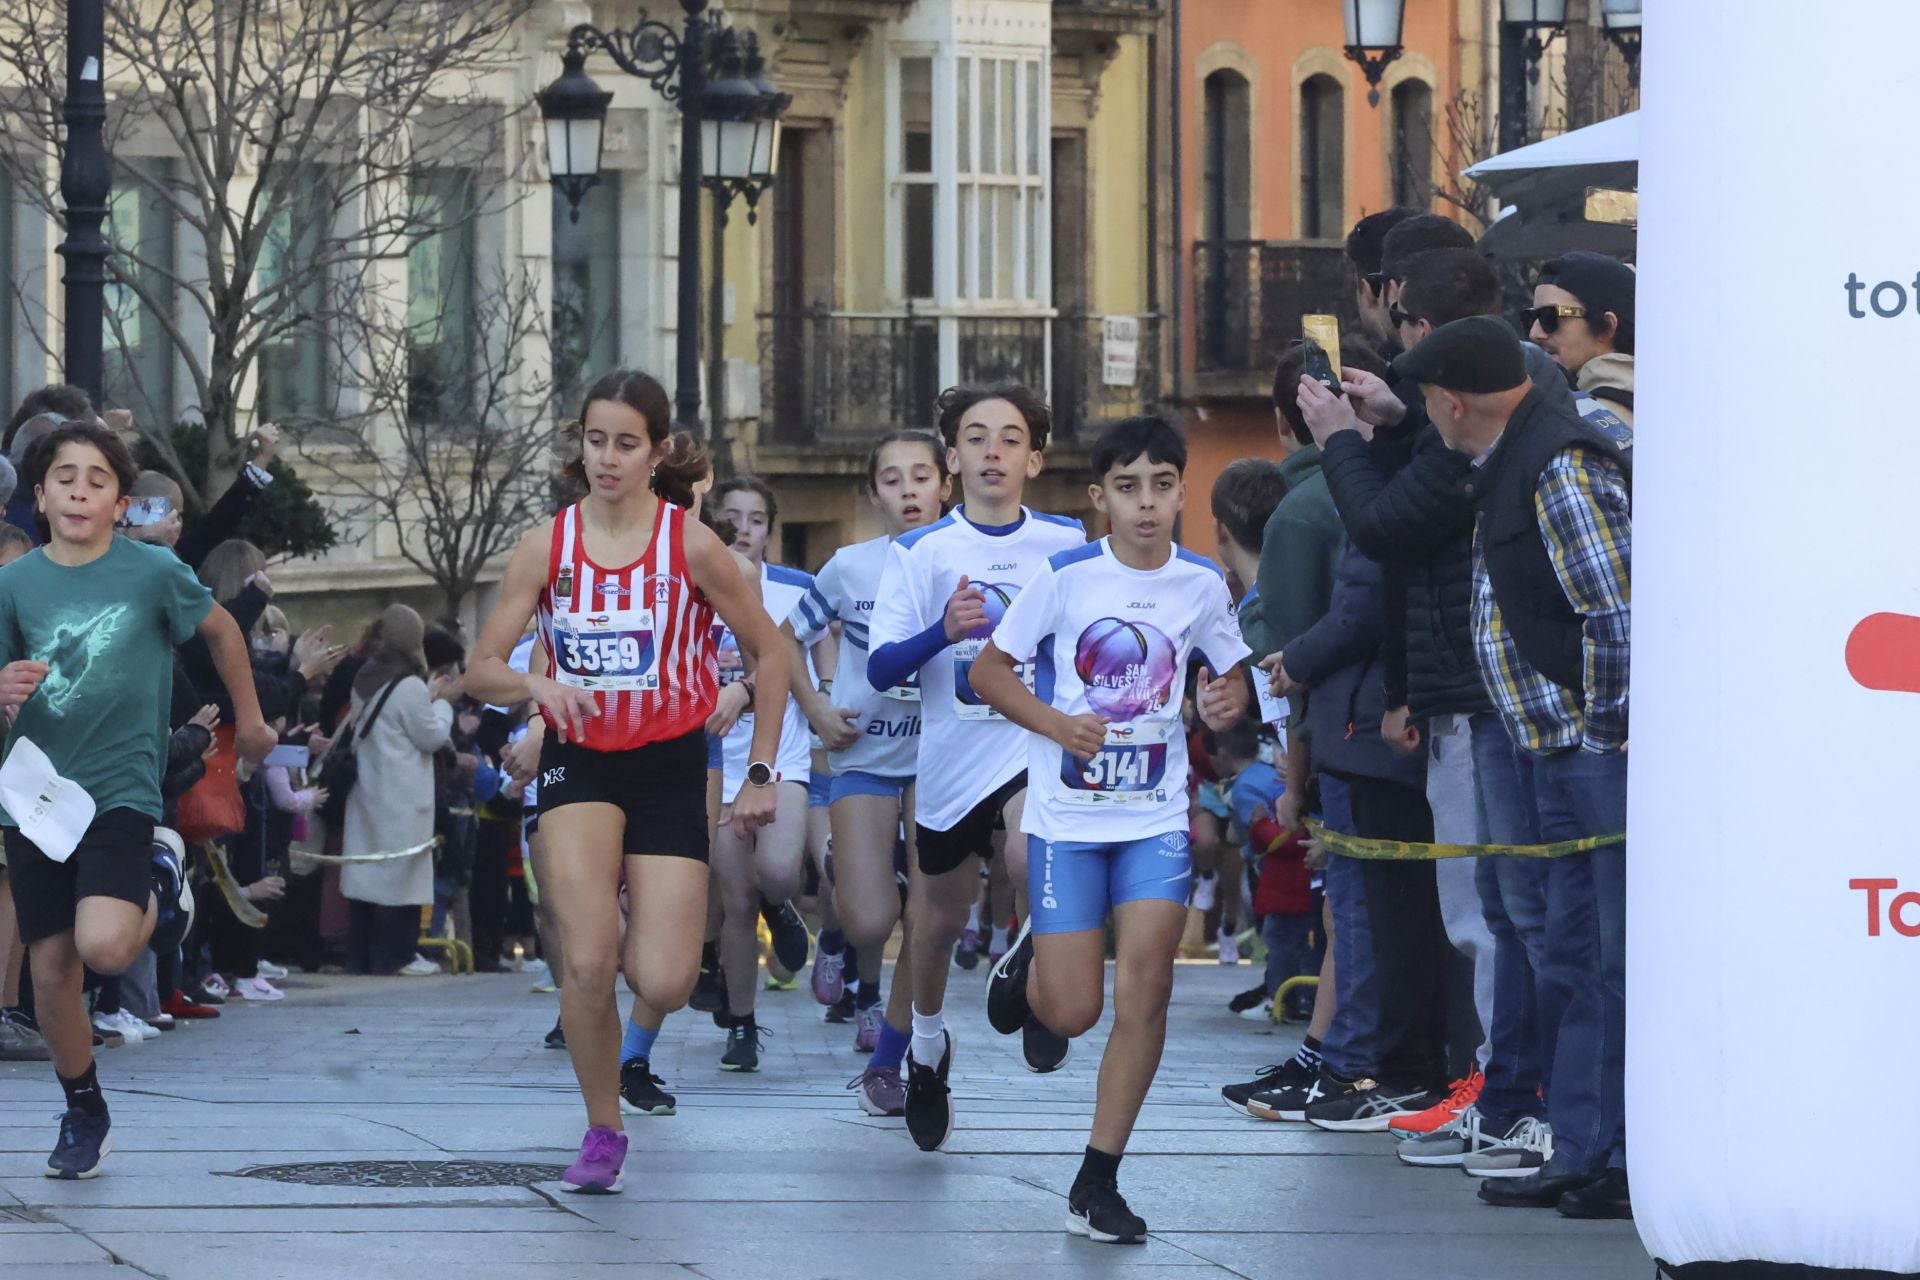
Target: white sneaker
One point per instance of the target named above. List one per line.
(257, 989)
(217, 985)
(1205, 891)
(419, 967)
(147, 1030)
(1525, 1150)
(270, 971)
(1229, 948)
(543, 982)
(112, 1025)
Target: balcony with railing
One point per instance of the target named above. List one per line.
(1249, 296)
(1110, 17)
(837, 378)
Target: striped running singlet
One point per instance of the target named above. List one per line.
(639, 638)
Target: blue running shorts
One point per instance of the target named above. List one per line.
(1073, 885)
(819, 790)
(858, 782)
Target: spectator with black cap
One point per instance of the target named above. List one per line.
(1551, 607)
(1411, 237)
(1583, 315)
(1366, 245)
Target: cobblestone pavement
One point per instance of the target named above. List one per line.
(775, 1175)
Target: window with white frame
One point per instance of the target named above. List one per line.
(138, 351)
(1001, 120)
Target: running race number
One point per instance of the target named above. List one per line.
(611, 652)
(968, 705)
(1130, 770)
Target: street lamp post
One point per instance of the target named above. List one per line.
(1536, 17)
(700, 67)
(1373, 38)
(85, 186)
(1537, 22)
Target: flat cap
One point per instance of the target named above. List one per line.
(1475, 356)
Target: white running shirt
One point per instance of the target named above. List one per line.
(967, 750)
(1115, 642)
(780, 589)
(844, 591)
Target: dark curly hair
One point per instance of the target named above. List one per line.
(680, 461)
(954, 402)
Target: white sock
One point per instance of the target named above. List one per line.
(973, 917)
(1002, 938)
(929, 1037)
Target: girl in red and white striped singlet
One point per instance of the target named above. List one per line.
(625, 589)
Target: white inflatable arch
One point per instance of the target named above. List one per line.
(1773, 1074)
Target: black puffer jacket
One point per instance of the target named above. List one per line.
(1402, 501)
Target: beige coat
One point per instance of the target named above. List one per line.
(391, 806)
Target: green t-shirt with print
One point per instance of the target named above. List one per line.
(107, 630)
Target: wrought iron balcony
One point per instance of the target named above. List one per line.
(1249, 296)
(837, 378)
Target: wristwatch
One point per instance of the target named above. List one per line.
(760, 774)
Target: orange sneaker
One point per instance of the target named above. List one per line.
(1461, 1095)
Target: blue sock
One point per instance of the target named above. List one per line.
(891, 1048)
(637, 1042)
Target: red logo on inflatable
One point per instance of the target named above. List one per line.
(1884, 653)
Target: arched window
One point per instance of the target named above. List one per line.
(1323, 214)
(1227, 198)
(1412, 146)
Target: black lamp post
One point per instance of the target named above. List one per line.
(85, 186)
(700, 67)
(1621, 21)
(1373, 38)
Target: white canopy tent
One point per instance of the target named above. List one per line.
(1543, 188)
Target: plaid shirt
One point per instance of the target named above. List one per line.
(1585, 521)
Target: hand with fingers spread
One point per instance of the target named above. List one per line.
(207, 717)
(1222, 700)
(966, 611)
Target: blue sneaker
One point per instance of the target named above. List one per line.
(84, 1143)
(174, 899)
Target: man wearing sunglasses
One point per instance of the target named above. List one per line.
(1366, 248)
(1583, 315)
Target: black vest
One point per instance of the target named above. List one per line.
(1545, 628)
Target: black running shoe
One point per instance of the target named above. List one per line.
(929, 1102)
(1290, 1101)
(1251, 998)
(1045, 1049)
(557, 1038)
(173, 899)
(790, 941)
(743, 1046)
(1100, 1213)
(84, 1143)
(1367, 1106)
(1284, 1075)
(842, 1010)
(709, 991)
(1007, 1007)
(640, 1091)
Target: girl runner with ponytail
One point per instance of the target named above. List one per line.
(874, 740)
(625, 588)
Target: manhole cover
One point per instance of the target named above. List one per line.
(408, 1173)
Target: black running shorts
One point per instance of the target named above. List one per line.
(972, 836)
(661, 788)
(114, 860)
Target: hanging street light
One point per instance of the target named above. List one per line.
(1621, 21)
(1373, 38)
(1535, 17)
(703, 67)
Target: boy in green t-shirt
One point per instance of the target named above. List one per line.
(88, 623)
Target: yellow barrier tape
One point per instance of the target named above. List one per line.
(1409, 851)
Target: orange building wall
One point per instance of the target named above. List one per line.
(1277, 44)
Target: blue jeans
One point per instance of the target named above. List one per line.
(1353, 1040)
(1290, 949)
(1582, 794)
(1513, 897)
